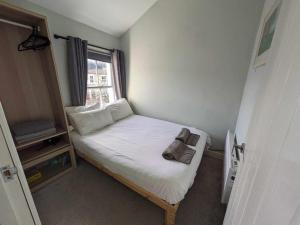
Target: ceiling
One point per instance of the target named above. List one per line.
(111, 16)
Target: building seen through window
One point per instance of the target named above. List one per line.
(99, 84)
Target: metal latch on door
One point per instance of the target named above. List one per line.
(8, 172)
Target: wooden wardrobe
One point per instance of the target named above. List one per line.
(29, 90)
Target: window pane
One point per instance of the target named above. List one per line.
(100, 86)
(93, 96)
(92, 80)
(104, 73)
(102, 68)
(92, 75)
(107, 96)
(92, 67)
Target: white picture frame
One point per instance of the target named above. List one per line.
(267, 35)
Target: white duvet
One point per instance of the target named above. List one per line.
(133, 148)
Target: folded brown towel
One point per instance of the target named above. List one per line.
(187, 137)
(193, 139)
(180, 152)
(183, 135)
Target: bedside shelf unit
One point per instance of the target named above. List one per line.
(29, 90)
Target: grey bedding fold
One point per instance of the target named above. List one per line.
(187, 137)
(180, 152)
(28, 130)
(29, 127)
(24, 138)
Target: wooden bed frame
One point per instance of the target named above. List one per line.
(170, 209)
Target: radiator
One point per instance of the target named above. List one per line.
(230, 167)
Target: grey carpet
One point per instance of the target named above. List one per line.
(87, 196)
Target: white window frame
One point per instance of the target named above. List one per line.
(101, 87)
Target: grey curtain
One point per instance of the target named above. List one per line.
(77, 63)
(119, 73)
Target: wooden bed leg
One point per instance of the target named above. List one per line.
(170, 215)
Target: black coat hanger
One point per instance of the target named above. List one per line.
(34, 41)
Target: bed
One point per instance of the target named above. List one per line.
(131, 150)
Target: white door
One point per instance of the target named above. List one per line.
(16, 203)
(267, 188)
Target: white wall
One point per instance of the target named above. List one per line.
(254, 87)
(187, 61)
(64, 26)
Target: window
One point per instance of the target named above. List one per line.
(100, 87)
(92, 79)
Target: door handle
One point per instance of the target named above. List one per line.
(241, 147)
(240, 151)
(8, 172)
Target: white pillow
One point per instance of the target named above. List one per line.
(120, 109)
(77, 109)
(87, 122)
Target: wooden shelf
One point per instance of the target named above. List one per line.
(41, 184)
(59, 132)
(34, 159)
(49, 173)
(41, 150)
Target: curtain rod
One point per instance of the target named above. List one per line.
(56, 36)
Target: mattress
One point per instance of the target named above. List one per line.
(133, 148)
